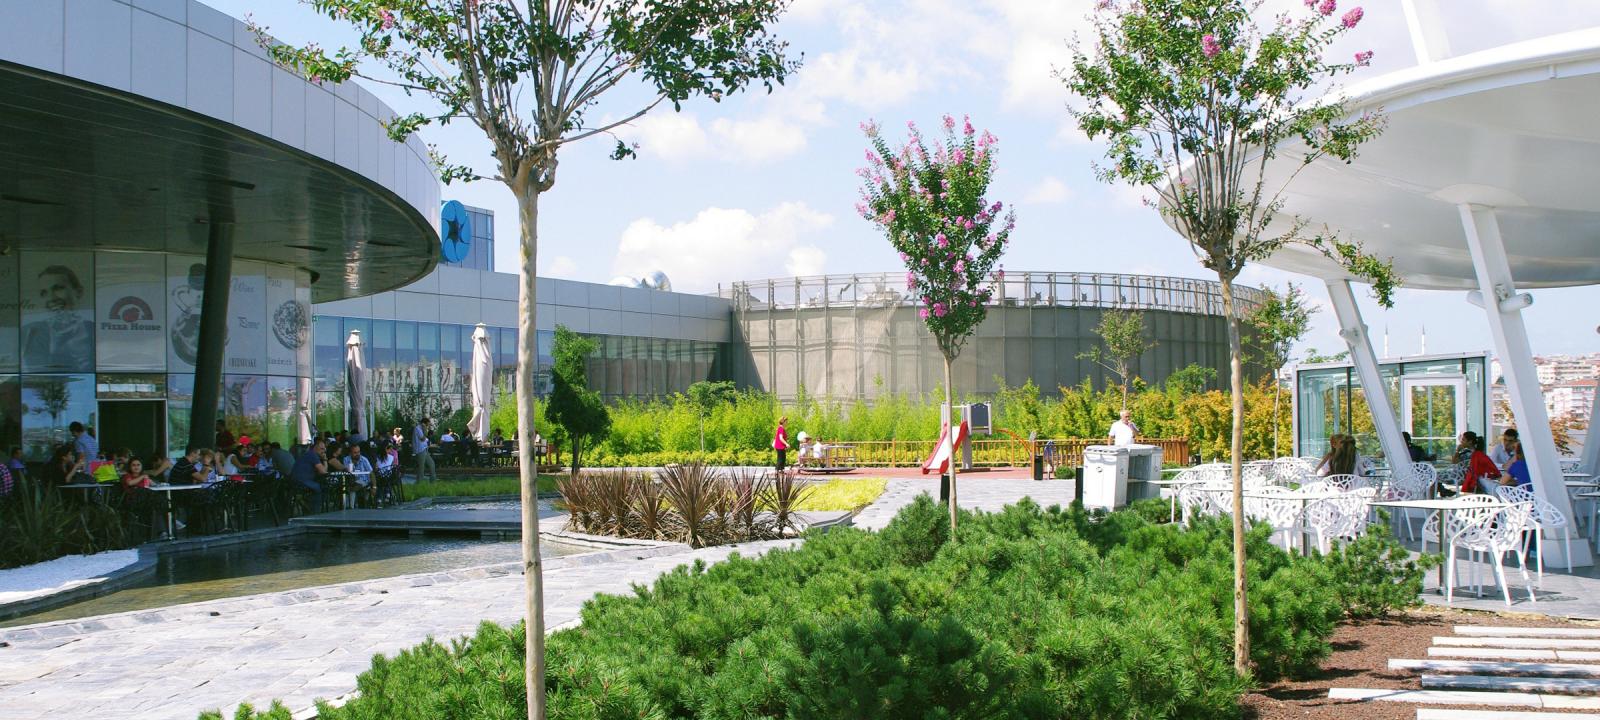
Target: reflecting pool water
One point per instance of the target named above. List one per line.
(290, 563)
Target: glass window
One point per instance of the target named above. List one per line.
(328, 351)
(329, 411)
(282, 425)
(114, 386)
(428, 356)
(50, 403)
(380, 360)
(244, 404)
(180, 399)
(405, 356)
(1324, 407)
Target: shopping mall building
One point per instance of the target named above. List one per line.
(188, 233)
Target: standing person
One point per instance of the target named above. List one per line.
(84, 445)
(1501, 453)
(1123, 430)
(224, 442)
(419, 447)
(780, 442)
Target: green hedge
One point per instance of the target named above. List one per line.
(1029, 613)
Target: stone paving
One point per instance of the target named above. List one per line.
(308, 644)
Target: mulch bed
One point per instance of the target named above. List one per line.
(1361, 654)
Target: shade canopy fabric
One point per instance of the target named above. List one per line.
(355, 374)
(482, 383)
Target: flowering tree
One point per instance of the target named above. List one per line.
(1194, 99)
(533, 75)
(931, 205)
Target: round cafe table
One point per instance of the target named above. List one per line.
(168, 489)
(1443, 506)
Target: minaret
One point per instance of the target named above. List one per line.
(1424, 350)
(1386, 341)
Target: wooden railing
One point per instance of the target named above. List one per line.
(997, 452)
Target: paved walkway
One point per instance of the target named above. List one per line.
(303, 645)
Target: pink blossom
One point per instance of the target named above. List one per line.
(969, 224)
(974, 303)
(386, 17)
(938, 309)
(1364, 58)
(888, 217)
(959, 157)
(968, 129)
(943, 241)
(1000, 274)
(960, 219)
(1311, 3)
(1102, 5)
(911, 278)
(961, 266)
(949, 123)
(1210, 46)
(1326, 7)
(995, 208)
(905, 257)
(922, 313)
(1351, 18)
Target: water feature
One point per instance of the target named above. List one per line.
(289, 563)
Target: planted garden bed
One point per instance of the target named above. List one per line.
(1029, 613)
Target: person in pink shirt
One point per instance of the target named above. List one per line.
(780, 442)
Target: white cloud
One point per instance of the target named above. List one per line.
(862, 81)
(760, 140)
(560, 266)
(670, 135)
(722, 244)
(1039, 33)
(1049, 191)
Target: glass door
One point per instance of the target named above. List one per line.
(1434, 411)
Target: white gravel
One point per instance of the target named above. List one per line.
(47, 578)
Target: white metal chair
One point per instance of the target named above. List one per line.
(1343, 517)
(1493, 531)
(1430, 526)
(1545, 516)
(1409, 482)
(1279, 508)
(1343, 483)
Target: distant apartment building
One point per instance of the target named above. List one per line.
(1562, 369)
(1575, 397)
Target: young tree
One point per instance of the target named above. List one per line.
(1193, 99)
(706, 395)
(532, 74)
(1276, 325)
(1190, 379)
(1122, 342)
(1312, 356)
(579, 411)
(931, 205)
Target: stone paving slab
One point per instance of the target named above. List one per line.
(304, 644)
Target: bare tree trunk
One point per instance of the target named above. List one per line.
(950, 440)
(527, 354)
(1241, 608)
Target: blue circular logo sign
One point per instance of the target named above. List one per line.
(455, 232)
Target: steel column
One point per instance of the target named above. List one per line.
(1503, 307)
(213, 335)
(1354, 332)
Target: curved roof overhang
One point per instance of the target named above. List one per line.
(302, 174)
(1515, 127)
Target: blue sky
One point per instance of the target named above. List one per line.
(763, 185)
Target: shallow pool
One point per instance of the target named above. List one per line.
(290, 563)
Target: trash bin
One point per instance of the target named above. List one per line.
(1038, 466)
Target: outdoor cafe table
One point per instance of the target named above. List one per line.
(1443, 506)
(94, 489)
(347, 498)
(168, 489)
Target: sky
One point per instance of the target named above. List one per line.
(763, 185)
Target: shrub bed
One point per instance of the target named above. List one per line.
(1028, 613)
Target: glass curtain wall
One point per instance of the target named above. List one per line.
(1330, 401)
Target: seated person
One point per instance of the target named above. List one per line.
(191, 468)
(497, 439)
(1481, 476)
(807, 452)
(356, 464)
(388, 461)
(244, 458)
(1517, 469)
(1501, 453)
(308, 471)
(134, 477)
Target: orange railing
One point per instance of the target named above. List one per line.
(1003, 452)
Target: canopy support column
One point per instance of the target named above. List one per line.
(213, 335)
(1354, 332)
(1503, 307)
(1590, 460)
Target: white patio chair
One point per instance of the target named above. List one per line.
(1493, 531)
(1193, 501)
(1279, 509)
(1258, 473)
(1343, 483)
(1430, 526)
(1545, 516)
(1409, 482)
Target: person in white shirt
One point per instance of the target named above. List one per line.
(419, 448)
(1123, 430)
(1501, 454)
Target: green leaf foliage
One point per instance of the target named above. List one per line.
(1027, 613)
(579, 411)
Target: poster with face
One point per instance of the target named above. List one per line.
(57, 312)
(10, 315)
(247, 327)
(130, 313)
(288, 322)
(186, 285)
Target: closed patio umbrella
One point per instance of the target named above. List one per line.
(482, 383)
(355, 372)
